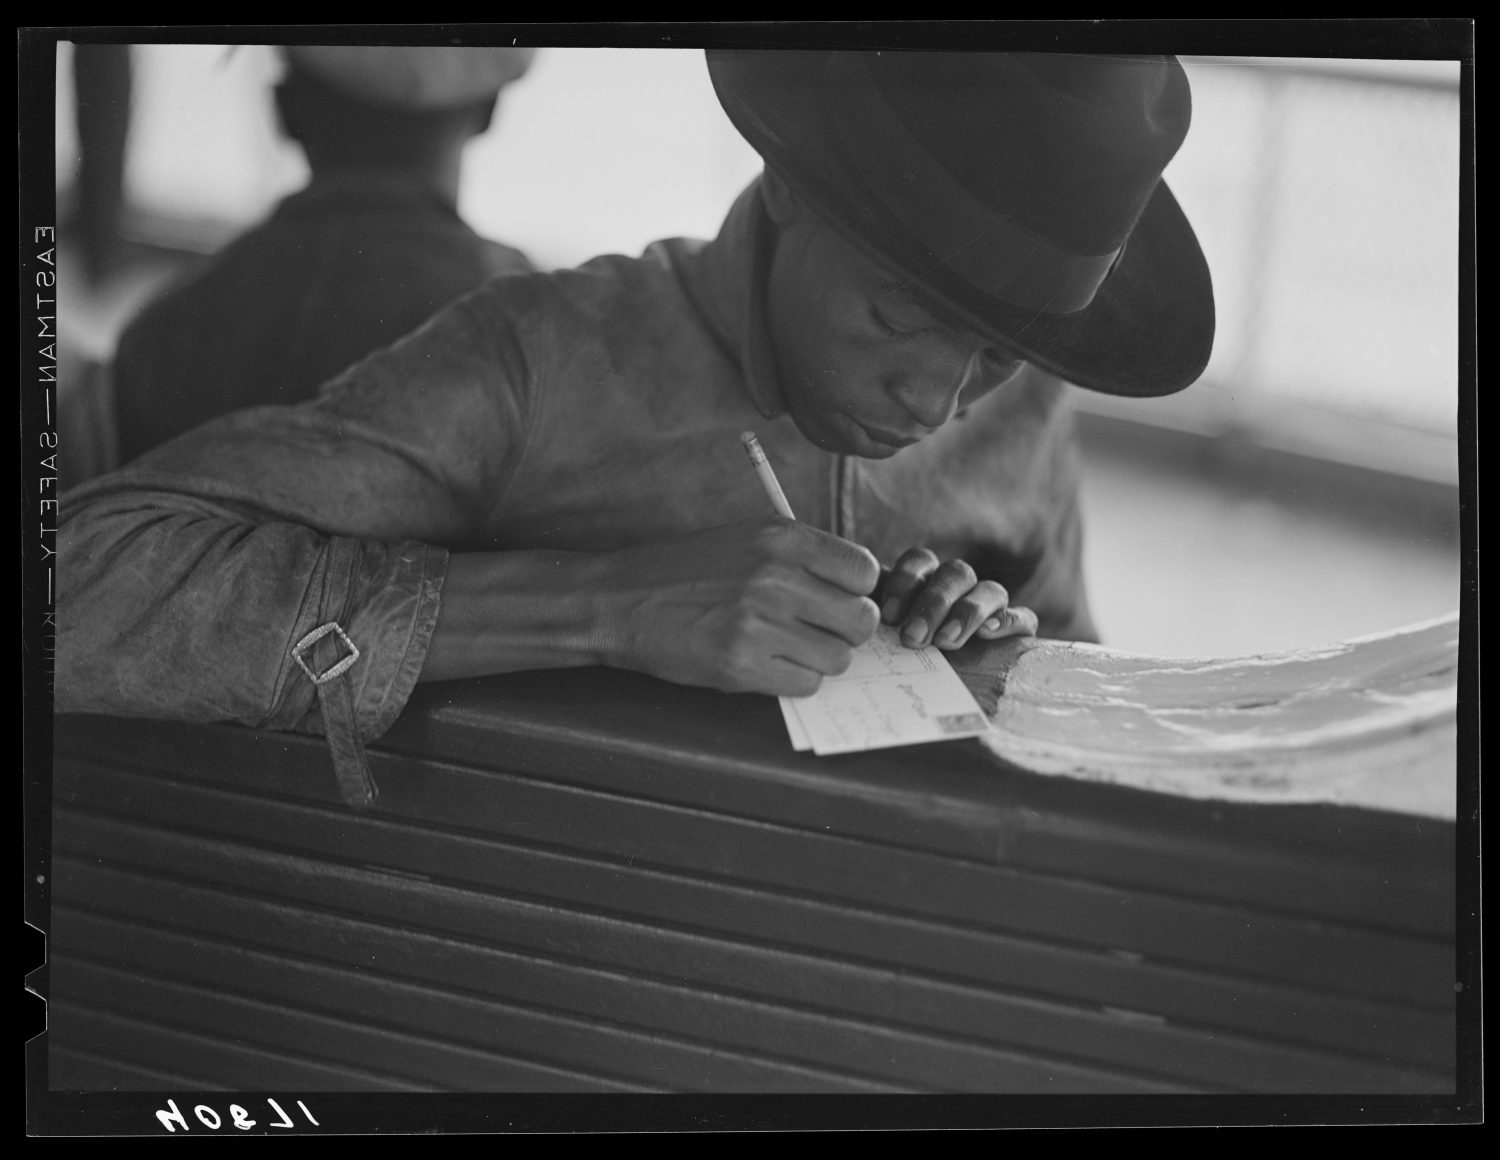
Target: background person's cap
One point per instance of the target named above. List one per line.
(1020, 193)
(410, 77)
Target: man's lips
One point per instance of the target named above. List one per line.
(887, 438)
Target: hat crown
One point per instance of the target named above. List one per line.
(1020, 192)
(1070, 147)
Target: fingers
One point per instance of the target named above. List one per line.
(804, 659)
(984, 604)
(845, 565)
(1009, 622)
(792, 680)
(904, 581)
(950, 606)
(833, 611)
(944, 603)
(798, 660)
(830, 576)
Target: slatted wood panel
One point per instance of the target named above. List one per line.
(598, 882)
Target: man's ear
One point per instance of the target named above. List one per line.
(781, 202)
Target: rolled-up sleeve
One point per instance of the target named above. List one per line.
(187, 580)
(177, 608)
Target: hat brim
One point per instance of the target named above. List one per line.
(1150, 327)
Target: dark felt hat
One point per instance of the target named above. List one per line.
(1021, 193)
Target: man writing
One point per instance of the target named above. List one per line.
(548, 473)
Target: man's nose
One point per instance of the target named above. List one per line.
(931, 390)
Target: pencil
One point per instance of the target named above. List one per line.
(767, 476)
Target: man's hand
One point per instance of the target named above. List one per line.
(945, 603)
(768, 606)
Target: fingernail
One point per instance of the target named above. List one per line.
(949, 632)
(992, 624)
(892, 610)
(915, 631)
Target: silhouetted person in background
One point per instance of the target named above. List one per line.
(368, 250)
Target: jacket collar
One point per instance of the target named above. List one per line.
(727, 281)
(366, 193)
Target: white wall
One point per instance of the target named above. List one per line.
(601, 150)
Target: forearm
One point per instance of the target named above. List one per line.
(505, 612)
(765, 606)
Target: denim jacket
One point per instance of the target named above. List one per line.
(579, 410)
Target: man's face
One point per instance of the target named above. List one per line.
(865, 368)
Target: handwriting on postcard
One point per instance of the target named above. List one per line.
(890, 695)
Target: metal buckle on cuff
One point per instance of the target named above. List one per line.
(339, 668)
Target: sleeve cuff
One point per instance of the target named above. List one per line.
(399, 622)
(385, 600)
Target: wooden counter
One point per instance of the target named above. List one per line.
(592, 881)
